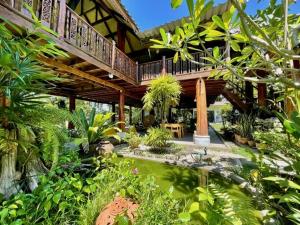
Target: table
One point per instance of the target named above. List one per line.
(176, 128)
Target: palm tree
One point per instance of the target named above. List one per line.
(162, 93)
(22, 107)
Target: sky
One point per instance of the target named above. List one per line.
(151, 13)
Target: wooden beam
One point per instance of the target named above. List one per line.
(101, 20)
(79, 73)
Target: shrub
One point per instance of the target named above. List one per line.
(78, 198)
(133, 139)
(158, 138)
(155, 207)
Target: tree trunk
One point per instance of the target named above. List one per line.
(9, 176)
(34, 169)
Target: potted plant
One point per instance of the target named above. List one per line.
(245, 127)
(97, 130)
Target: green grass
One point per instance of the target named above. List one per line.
(243, 151)
(184, 180)
(217, 126)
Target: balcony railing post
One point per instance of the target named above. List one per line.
(62, 18)
(113, 54)
(137, 71)
(163, 71)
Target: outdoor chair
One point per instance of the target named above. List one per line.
(175, 129)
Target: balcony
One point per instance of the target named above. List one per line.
(75, 31)
(183, 70)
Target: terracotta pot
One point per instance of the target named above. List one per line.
(237, 137)
(105, 148)
(244, 140)
(251, 143)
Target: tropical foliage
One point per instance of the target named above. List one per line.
(72, 198)
(158, 138)
(95, 127)
(163, 92)
(215, 205)
(23, 115)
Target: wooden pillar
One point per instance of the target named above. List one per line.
(121, 34)
(262, 94)
(202, 124)
(122, 111)
(113, 108)
(72, 107)
(249, 92)
(130, 115)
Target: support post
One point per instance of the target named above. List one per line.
(72, 107)
(121, 34)
(122, 111)
(262, 94)
(201, 136)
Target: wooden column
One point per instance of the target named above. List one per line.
(72, 107)
(122, 111)
(262, 94)
(121, 34)
(113, 108)
(130, 115)
(202, 124)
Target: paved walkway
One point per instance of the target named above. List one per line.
(216, 142)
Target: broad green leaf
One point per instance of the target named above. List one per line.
(214, 33)
(176, 3)
(235, 46)
(175, 59)
(47, 206)
(290, 197)
(194, 207)
(190, 4)
(184, 217)
(163, 35)
(218, 21)
(216, 52)
(56, 198)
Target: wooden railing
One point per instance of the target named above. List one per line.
(73, 29)
(150, 70)
(124, 64)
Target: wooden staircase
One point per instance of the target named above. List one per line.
(235, 100)
(235, 93)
